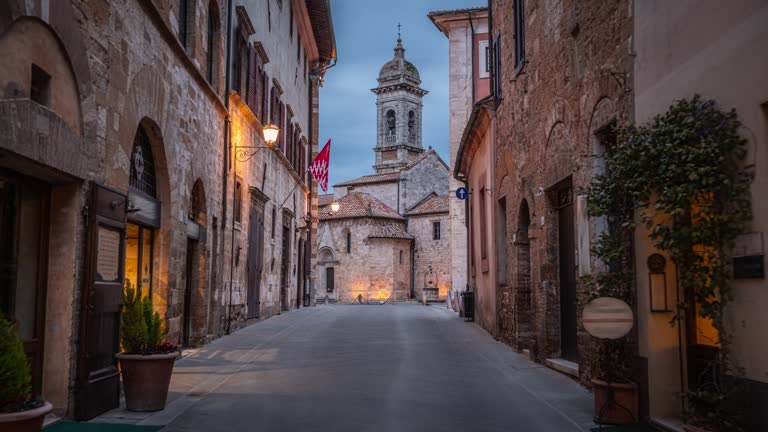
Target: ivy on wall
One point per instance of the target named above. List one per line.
(682, 175)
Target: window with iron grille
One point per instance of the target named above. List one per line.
(142, 176)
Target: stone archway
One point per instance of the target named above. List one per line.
(326, 275)
(523, 299)
(195, 307)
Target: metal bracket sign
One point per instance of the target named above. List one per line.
(462, 193)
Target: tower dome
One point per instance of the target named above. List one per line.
(399, 68)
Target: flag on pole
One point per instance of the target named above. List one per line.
(319, 166)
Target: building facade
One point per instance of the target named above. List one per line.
(469, 83)
(118, 135)
(390, 238)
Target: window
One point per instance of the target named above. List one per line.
(213, 31)
(401, 257)
(483, 229)
(484, 59)
(519, 34)
(40, 88)
(186, 22)
(349, 242)
(436, 230)
(238, 205)
(274, 218)
(411, 126)
(391, 122)
(298, 48)
(142, 174)
(290, 12)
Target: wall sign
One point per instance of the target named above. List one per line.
(607, 318)
(462, 193)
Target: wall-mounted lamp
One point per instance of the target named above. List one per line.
(334, 208)
(270, 132)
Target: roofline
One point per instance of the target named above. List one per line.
(334, 218)
(440, 17)
(353, 183)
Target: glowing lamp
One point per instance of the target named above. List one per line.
(334, 207)
(270, 133)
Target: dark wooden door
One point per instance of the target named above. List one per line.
(567, 248)
(186, 322)
(98, 379)
(329, 279)
(285, 269)
(255, 258)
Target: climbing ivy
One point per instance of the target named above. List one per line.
(682, 175)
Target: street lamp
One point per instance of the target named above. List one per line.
(334, 208)
(270, 134)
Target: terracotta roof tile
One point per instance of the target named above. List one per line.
(430, 205)
(361, 204)
(372, 178)
(324, 199)
(390, 231)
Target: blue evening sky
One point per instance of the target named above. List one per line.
(366, 33)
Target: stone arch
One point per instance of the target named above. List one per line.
(523, 292)
(326, 259)
(30, 41)
(558, 158)
(197, 262)
(197, 203)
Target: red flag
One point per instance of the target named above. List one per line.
(319, 166)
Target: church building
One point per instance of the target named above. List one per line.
(389, 239)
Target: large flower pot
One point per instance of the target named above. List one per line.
(25, 421)
(146, 379)
(615, 403)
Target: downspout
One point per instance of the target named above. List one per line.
(225, 161)
(472, 54)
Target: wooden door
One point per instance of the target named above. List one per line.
(329, 280)
(98, 379)
(567, 248)
(255, 257)
(187, 319)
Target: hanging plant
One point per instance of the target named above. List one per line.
(682, 172)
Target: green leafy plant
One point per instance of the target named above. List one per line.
(682, 173)
(15, 375)
(142, 329)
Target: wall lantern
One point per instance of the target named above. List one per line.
(270, 133)
(334, 208)
(657, 283)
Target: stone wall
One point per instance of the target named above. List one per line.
(576, 80)
(374, 268)
(427, 175)
(431, 254)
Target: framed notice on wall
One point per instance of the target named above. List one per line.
(108, 255)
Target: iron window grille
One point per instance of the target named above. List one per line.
(142, 176)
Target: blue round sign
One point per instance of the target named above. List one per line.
(462, 193)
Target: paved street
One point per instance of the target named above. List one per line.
(367, 368)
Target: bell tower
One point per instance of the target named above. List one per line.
(398, 113)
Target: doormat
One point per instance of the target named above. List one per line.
(625, 428)
(65, 426)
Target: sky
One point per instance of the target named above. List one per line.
(366, 34)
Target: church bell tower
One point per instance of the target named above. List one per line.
(398, 113)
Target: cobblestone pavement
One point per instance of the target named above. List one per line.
(402, 367)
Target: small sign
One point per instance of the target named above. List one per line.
(748, 267)
(462, 193)
(607, 318)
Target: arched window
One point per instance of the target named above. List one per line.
(391, 123)
(142, 176)
(411, 125)
(211, 52)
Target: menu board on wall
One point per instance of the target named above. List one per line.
(108, 255)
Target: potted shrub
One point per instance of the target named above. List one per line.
(18, 412)
(146, 362)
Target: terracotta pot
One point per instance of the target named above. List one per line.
(621, 409)
(146, 379)
(25, 421)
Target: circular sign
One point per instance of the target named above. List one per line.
(607, 318)
(462, 193)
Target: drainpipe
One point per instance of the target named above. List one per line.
(225, 161)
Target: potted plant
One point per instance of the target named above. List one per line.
(18, 412)
(146, 362)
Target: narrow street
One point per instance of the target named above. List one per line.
(366, 368)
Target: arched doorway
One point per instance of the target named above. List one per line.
(326, 274)
(523, 289)
(194, 310)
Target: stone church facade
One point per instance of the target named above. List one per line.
(389, 239)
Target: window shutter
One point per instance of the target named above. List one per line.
(250, 98)
(264, 99)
